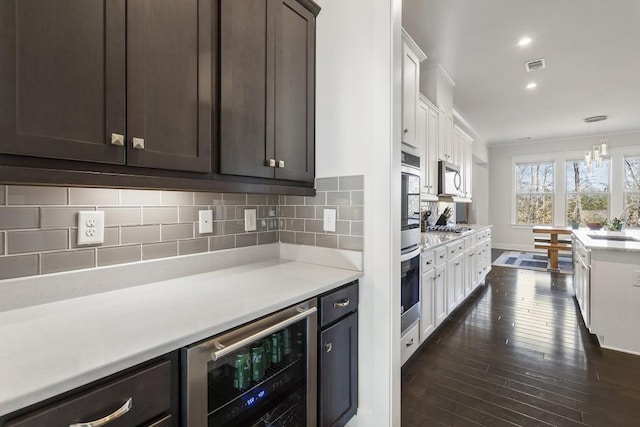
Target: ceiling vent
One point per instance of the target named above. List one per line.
(536, 64)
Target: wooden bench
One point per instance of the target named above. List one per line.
(552, 244)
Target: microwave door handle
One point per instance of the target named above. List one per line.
(457, 180)
(223, 350)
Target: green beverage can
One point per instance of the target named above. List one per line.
(286, 341)
(242, 369)
(276, 348)
(267, 353)
(257, 361)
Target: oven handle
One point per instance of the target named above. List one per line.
(224, 350)
(408, 256)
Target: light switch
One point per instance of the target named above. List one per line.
(329, 222)
(249, 220)
(205, 223)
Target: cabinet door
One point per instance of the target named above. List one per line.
(427, 319)
(339, 372)
(458, 267)
(451, 287)
(468, 168)
(421, 139)
(62, 78)
(295, 92)
(410, 79)
(246, 87)
(169, 54)
(440, 295)
(432, 150)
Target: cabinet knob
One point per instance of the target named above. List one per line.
(328, 347)
(138, 143)
(117, 139)
(405, 131)
(410, 343)
(280, 164)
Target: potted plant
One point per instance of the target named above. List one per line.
(575, 224)
(615, 224)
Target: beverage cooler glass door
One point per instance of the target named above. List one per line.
(261, 374)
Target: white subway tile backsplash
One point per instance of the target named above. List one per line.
(155, 215)
(61, 217)
(140, 197)
(20, 242)
(55, 262)
(14, 218)
(121, 216)
(94, 196)
(159, 250)
(40, 223)
(19, 266)
(35, 195)
(176, 198)
(118, 255)
(139, 234)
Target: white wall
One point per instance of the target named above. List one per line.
(358, 132)
(479, 211)
(501, 158)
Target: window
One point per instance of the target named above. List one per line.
(587, 192)
(534, 193)
(631, 211)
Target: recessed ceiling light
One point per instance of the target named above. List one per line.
(532, 85)
(525, 41)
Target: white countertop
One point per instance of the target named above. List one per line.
(432, 239)
(586, 237)
(51, 348)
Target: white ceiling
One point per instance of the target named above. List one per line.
(592, 53)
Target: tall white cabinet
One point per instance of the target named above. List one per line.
(428, 116)
(412, 55)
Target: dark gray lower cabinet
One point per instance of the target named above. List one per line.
(338, 357)
(145, 396)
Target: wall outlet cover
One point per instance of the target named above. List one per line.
(249, 220)
(205, 221)
(90, 227)
(329, 220)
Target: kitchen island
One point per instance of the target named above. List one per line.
(607, 286)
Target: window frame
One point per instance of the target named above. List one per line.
(625, 191)
(514, 190)
(567, 192)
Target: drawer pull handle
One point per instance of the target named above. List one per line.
(410, 343)
(341, 304)
(111, 417)
(328, 347)
(138, 143)
(441, 256)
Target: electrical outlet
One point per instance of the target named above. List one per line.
(205, 223)
(90, 227)
(329, 220)
(636, 279)
(249, 220)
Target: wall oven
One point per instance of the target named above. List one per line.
(260, 374)
(409, 289)
(410, 202)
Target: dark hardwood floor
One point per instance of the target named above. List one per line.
(518, 353)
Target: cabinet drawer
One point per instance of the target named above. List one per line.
(338, 303)
(164, 422)
(149, 391)
(441, 255)
(454, 249)
(410, 342)
(428, 260)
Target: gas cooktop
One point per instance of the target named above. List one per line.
(447, 228)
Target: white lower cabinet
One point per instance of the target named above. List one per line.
(410, 342)
(455, 293)
(427, 318)
(439, 295)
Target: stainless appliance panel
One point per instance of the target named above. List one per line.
(409, 289)
(449, 179)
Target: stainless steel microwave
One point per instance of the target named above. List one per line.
(449, 179)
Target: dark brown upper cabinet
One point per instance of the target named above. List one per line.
(108, 81)
(267, 88)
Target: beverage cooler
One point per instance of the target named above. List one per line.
(260, 374)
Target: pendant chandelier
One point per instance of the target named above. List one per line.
(593, 157)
